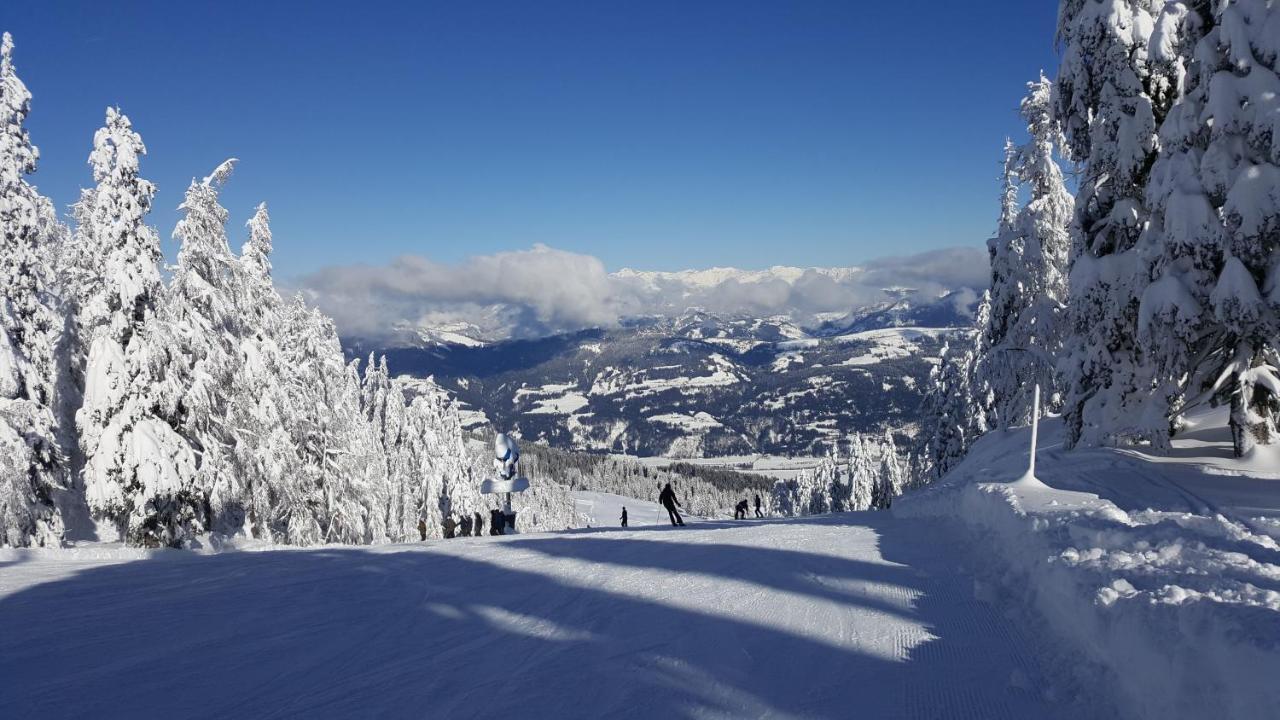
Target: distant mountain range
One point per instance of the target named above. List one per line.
(698, 383)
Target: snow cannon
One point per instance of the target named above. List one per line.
(506, 464)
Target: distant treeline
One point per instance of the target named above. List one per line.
(701, 490)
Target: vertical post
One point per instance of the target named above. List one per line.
(1035, 428)
(506, 513)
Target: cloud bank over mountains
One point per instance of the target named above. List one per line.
(543, 291)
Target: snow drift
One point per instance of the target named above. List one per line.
(1161, 573)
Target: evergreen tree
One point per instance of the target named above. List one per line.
(201, 312)
(1023, 334)
(117, 276)
(868, 477)
(339, 494)
(1109, 103)
(1210, 315)
(261, 410)
(31, 332)
(953, 416)
(864, 472)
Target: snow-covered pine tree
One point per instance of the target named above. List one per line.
(1023, 336)
(142, 474)
(1210, 315)
(861, 470)
(953, 416)
(1109, 104)
(892, 476)
(202, 314)
(440, 457)
(262, 410)
(386, 409)
(996, 389)
(339, 494)
(31, 333)
(116, 278)
(867, 477)
(307, 340)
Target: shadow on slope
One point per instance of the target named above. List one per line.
(521, 627)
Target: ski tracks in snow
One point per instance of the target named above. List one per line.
(853, 615)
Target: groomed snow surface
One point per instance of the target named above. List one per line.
(1122, 586)
(857, 615)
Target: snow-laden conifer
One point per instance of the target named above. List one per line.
(263, 397)
(1023, 334)
(1209, 318)
(863, 478)
(1109, 104)
(31, 332)
(953, 417)
(117, 283)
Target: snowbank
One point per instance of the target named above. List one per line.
(1177, 613)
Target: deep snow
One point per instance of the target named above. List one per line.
(1155, 579)
(856, 615)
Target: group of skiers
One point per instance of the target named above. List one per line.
(469, 525)
(669, 501)
(740, 510)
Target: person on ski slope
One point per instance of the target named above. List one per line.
(669, 501)
(624, 516)
(758, 513)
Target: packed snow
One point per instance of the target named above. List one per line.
(817, 617)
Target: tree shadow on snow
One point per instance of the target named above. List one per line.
(413, 632)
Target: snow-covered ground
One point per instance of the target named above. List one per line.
(1156, 578)
(1119, 585)
(858, 615)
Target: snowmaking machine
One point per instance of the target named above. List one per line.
(506, 464)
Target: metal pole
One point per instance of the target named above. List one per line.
(1035, 428)
(506, 513)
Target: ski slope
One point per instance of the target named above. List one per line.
(603, 510)
(856, 615)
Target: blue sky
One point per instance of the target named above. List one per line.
(655, 135)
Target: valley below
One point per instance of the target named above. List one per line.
(695, 386)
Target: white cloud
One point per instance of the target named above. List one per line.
(528, 293)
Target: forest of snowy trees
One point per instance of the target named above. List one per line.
(1156, 288)
(705, 492)
(206, 406)
(172, 404)
(867, 476)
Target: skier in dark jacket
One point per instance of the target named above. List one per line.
(479, 524)
(466, 526)
(449, 525)
(669, 501)
(624, 516)
(758, 513)
(497, 519)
